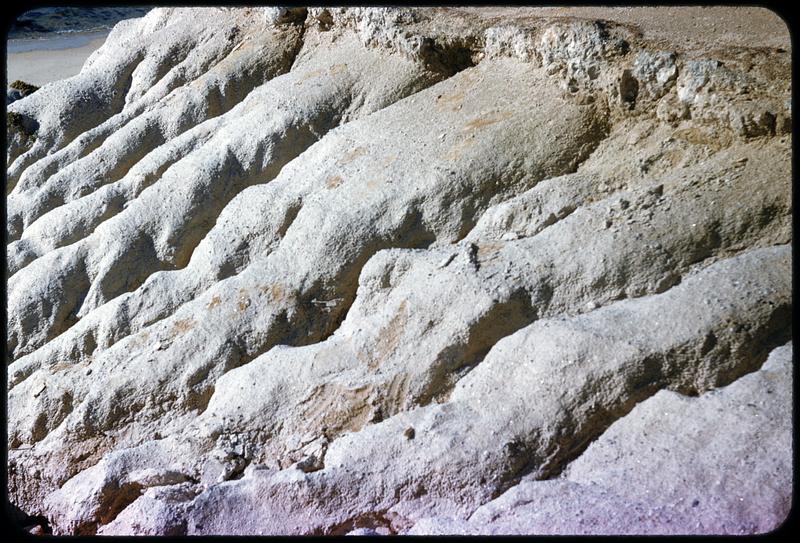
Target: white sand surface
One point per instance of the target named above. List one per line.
(42, 61)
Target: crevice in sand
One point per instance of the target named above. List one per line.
(663, 373)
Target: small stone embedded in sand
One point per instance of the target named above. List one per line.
(310, 464)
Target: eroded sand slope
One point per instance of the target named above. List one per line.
(437, 270)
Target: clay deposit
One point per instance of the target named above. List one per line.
(405, 271)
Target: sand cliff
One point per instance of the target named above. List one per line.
(373, 270)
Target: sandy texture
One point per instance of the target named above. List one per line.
(611, 488)
(45, 66)
(689, 29)
(373, 270)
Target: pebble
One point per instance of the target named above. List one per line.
(309, 463)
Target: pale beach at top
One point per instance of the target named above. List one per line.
(48, 44)
(51, 59)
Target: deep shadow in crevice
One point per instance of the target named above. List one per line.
(28, 524)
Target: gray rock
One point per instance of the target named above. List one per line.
(12, 95)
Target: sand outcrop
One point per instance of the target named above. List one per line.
(382, 270)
